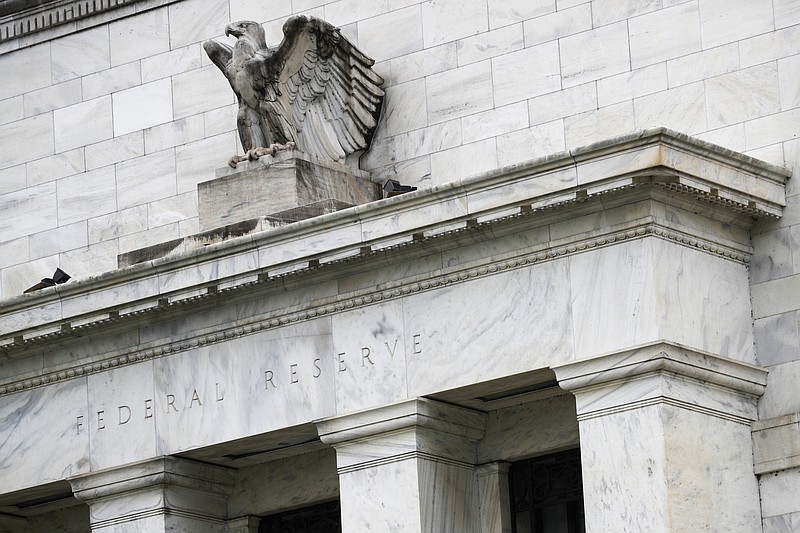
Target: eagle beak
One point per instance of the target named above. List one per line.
(231, 29)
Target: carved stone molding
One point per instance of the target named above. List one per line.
(447, 429)
(180, 491)
(664, 373)
(690, 172)
(28, 19)
(482, 208)
(344, 303)
(732, 253)
(22, 17)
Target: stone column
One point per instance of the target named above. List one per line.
(407, 467)
(495, 500)
(164, 494)
(665, 440)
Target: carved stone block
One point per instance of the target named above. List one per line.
(272, 185)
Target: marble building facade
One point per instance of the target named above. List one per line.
(602, 255)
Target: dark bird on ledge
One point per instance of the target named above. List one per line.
(315, 91)
(59, 277)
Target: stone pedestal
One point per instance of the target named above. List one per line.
(665, 440)
(164, 494)
(275, 184)
(407, 467)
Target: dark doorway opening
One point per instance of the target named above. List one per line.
(547, 494)
(322, 518)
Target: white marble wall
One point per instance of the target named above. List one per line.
(543, 76)
(288, 483)
(143, 116)
(58, 439)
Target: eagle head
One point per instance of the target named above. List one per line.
(253, 31)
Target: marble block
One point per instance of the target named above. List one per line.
(274, 184)
(776, 444)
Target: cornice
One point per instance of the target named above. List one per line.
(32, 21)
(344, 302)
(757, 190)
(526, 194)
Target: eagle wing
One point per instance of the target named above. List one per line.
(321, 91)
(220, 54)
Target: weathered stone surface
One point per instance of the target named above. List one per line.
(273, 184)
(304, 212)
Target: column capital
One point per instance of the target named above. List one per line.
(412, 463)
(165, 492)
(411, 429)
(159, 472)
(415, 413)
(664, 372)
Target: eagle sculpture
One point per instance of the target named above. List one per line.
(315, 92)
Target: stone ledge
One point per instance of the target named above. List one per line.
(708, 174)
(164, 486)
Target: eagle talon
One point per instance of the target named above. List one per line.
(257, 153)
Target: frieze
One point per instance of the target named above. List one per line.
(355, 301)
(274, 380)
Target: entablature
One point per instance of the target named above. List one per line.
(727, 188)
